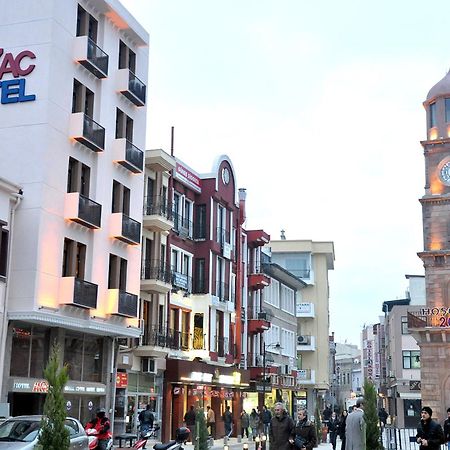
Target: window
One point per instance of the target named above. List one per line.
(432, 115)
(288, 343)
(3, 251)
(117, 278)
(182, 215)
(82, 99)
(74, 259)
(124, 126)
(272, 293)
(200, 222)
(86, 24)
(447, 110)
(200, 284)
(181, 263)
(298, 264)
(411, 359)
(78, 177)
(404, 325)
(120, 198)
(287, 299)
(272, 337)
(221, 224)
(127, 58)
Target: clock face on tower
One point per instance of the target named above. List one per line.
(225, 175)
(444, 173)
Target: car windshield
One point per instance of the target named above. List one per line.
(19, 430)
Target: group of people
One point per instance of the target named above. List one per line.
(257, 421)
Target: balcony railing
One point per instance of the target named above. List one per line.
(94, 133)
(154, 269)
(127, 304)
(134, 157)
(183, 226)
(97, 57)
(222, 236)
(85, 293)
(89, 211)
(131, 229)
(157, 205)
(429, 318)
(221, 346)
(174, 339)
(200, 231)
(222, 291)
(181, 281)
(137, 88)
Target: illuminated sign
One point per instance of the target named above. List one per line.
(184, 175)
(14, 90)
(201, 376)
(121, 380)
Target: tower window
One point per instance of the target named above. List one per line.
(432, 115)
(447, 110)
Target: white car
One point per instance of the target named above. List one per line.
(22, 432)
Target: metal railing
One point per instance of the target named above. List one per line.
(429, 318)
(401, 439)
(222, 291)
(97, 56)
(222, 235)
(134, 155)
(221, 346)
(157, 205)
(181, 281)
(200, 231)
(131, 229)
(154, 269)
(89, 211)
(183, 226)
(136, 87)
(127, 304)
(93, 132)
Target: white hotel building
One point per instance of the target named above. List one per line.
(72, 126)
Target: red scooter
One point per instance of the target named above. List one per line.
(181, 436)
(93, 440)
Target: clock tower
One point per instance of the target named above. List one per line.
(431, 326)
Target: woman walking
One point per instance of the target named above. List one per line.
(254, 423)
(342, 425)
(333, 428)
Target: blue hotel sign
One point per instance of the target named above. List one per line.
(19, 66)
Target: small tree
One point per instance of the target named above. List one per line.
(54, 435)
(318, 424)
(201, 430)
(371, 417)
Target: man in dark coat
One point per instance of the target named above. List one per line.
(305, 430)
(429, 435)
(281, 429)
(447, 429)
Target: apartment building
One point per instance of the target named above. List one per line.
(73, 123)
(310, 262)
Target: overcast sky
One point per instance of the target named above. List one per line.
(319, 106)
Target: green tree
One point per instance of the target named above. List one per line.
(318, 424)
(54, 435)
(371, 416)
(201, 430)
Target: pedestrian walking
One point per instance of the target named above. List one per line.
(281, 429)
(189, 420)
(429, 435)
(382, 416)
(228, 421)
(266, 417)
(342, 424)
(211, 421)
(254, 423)
(245, 423)
(304, 433)
(355, 428)
(447, 429)
(333, 428)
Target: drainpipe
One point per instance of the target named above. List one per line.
(239, 275)
(4, 331)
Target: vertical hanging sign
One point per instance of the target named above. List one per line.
(14, 90)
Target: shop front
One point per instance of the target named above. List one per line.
(194, 383)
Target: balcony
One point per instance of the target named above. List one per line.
(82, 210)
(123, 303)
(222, 291)
(306, 377)
(181, 281)
(306, 343)
(91, 56)
(259, 322)
(87, 132)
(221, 347)
(131, 87)
(258, 280)
(157, 214)
(257, 238)
(156, 276)
(429, 319)
(305, 310)
(74, 291)
(125, 229)
(128, 155)
(159, 161)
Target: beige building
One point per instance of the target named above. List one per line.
(310, 261)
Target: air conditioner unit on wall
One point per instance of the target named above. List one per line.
(302, 340)
(148, 365)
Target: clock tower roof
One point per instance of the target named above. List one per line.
(441, 88)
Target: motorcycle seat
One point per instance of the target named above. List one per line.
(164, 446)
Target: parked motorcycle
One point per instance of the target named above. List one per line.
(93, 440)
(181, 436)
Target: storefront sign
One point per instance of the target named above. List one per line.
(415, 385)
(230, 379)
(13, 90)
(121, 380)
(201, 376)
(187, 177)
(68, 405)
(226, 250)
(180, 280)
(40, 386)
